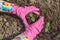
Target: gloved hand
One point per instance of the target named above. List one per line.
(33, 29)
(23, 11)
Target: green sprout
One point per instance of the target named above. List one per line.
(47, 26)
(31, 14)
(32, 17)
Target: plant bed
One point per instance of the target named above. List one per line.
(50, 10)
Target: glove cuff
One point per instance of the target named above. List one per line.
(20, 37)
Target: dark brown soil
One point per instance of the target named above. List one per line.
(10, 25)
(48, 8)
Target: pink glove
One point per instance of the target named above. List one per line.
(33, 29)
(23, 11)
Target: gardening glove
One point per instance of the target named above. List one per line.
(23, 11)
(32, 31)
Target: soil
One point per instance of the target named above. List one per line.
(10, 26)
